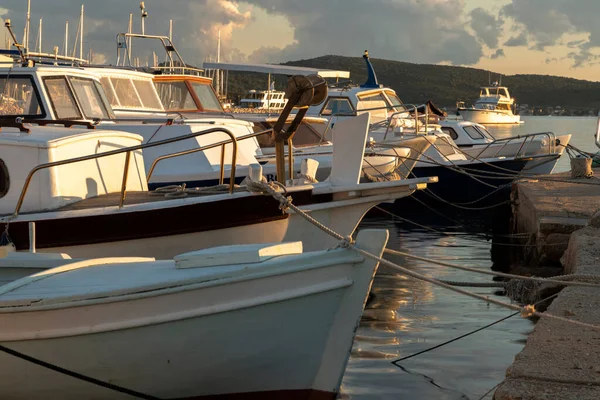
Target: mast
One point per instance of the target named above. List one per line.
(67, 38)
(129, 30)
(27, 22)
(81, 33)
(171, 39)
(144, 15)
(217, 72)
(40, 37)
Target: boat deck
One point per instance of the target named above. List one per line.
(139, 197)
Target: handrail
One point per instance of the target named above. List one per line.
(126, 150)
(528, 137)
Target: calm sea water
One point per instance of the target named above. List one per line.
(407, 315)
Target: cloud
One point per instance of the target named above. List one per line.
(195, 23)
(515, 41)
(550, 22)
(487, 27)
(499, 53)
(425, 31)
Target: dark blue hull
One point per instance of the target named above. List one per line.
(459, 197)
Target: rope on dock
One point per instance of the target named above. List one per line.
(347, 242)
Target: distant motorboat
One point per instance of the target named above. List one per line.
(494, 106)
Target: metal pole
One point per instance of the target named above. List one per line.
(269, 94)
(32, 237)
(81, 33)
(125, 174)
(27, 22)
(129, 30)
(67, 38)
(218, 72)
(40, 37)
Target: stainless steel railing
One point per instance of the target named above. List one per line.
(233, 140)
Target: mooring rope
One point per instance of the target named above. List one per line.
(77, 375)
(347, 242)
(512, 235)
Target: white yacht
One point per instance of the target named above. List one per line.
(494, 106)
(263, 100)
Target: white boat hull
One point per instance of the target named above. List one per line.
(287, 333)
(489, 116)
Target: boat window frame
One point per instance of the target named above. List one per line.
(99, 91)
(111, 89)
(387, 93)
(36, 89)
(476, 130)
(190, 84)
(329, 98)
(190, 92)
(450, 132)
(71, 93)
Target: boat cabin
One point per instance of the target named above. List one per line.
(129, 92)
(23, 147)
(187, 93)
(380, 103)
(466, 133)
(264, 100)
(48, 92)
(498, 92)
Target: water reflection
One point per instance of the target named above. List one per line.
(406, 315)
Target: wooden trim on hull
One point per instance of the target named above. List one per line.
(300, 394)
(168, 221)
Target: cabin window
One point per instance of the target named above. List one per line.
(396, 102)
(504, 107)
(110, 92)
(19, 97)
(126, 93)
(473, 132)
(89, 98)
(147, 94)
(61, 98)
(175, 96)
(450, 131)
(207, 97)
(336, 106)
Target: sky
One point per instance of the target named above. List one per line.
(550, 37)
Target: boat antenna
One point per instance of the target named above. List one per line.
(19, 47)
(372, 77)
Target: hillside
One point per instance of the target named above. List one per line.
(444, 85)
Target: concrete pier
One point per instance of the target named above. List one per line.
(550, 212)
(560, 360)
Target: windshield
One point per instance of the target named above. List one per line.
(207, 97)
(90, 99)
(18, 97)
(175, 96)
(61, 98)
(395, 100)
(148, 95)
(125, 92)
